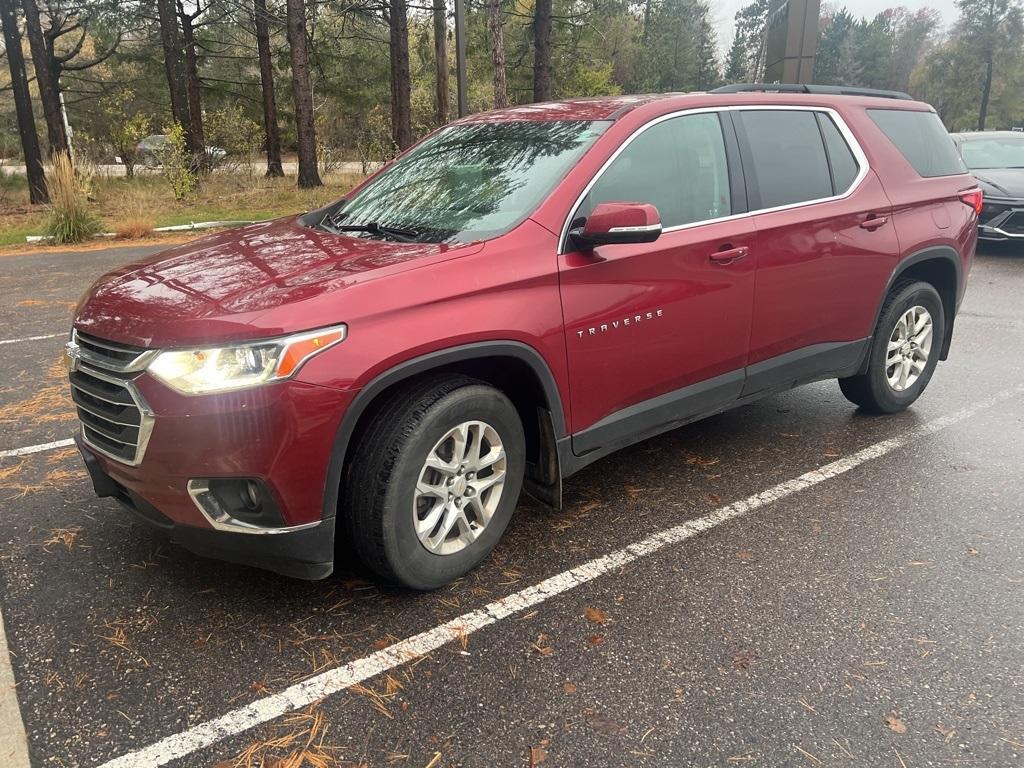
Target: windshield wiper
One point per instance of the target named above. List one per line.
(400, 234)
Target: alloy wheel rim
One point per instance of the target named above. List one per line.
(909, 346)
(459, 487)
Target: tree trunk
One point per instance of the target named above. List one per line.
(194, 137)
(401, 80)
(23, 105)
(441, 60)
(986, 91)
(174, 66)
(270, 129)
(49, 89)
(542, 51)
(496, 26)
(305, 130)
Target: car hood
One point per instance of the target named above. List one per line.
(218, 288)
(1001, 182)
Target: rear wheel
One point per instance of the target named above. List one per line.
(904, 352)
(434, 481)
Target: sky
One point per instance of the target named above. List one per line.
(724, 12)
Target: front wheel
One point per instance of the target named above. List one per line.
(904, 351)
(434, 481)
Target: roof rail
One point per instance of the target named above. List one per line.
(825, 90)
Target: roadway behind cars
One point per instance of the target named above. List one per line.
(869, 615)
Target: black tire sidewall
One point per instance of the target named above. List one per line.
(917, 294)
(411, 563)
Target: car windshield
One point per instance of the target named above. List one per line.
(994, 152)
(467, 182)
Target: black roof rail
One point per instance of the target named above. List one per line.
(825, 90)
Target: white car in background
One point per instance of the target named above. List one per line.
(150, 151)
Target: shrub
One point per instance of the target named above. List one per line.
(13, 187)
(125, 123)
(373, 140)
(232, 130)
(70, 220)
(125, 137)
(176, 164)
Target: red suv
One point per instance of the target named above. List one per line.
(518, 295)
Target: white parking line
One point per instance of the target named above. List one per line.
(33, 338)
(302, 694)
(36, 448)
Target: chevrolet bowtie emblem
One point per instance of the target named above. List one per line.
(72, 356)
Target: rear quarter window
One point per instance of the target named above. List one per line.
(922, 139)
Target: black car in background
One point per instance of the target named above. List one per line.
(996, 159)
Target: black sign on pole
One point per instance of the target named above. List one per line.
(791, 40)
(460, 55)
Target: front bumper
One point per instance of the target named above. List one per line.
(279, 437)
(304, 553)
(1006, 224)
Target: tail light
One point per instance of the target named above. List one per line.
(973, 198)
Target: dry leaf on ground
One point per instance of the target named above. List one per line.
(595, 615)
(895, 724)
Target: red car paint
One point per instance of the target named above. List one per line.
(614, 327)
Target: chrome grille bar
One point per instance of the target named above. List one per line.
(110, 355)
(115, 419)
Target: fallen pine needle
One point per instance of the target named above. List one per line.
(808, 755)
(803, 703)
(845, 751)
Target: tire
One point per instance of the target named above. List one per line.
(875, 391)
(382, 502)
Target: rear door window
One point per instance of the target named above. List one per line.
(786, 157)
(922, 139)
(679, 165)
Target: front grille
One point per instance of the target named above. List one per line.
(111, 355)
(115, 420)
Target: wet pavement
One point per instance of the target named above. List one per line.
(874, 618)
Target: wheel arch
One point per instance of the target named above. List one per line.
(940, 266)
(515, 368)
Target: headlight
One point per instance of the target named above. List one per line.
(221, 369)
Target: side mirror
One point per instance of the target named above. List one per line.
(617, 224)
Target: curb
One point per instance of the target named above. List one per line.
(13, 741)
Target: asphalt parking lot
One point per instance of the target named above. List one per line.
(788, 584)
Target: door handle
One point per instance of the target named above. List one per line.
(871, 223)
(729, 255)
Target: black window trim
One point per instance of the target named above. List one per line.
(734, 158)
(818, 118)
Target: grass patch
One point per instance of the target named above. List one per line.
(127, 204)
(134, 228)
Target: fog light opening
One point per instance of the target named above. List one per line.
(252, 495)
